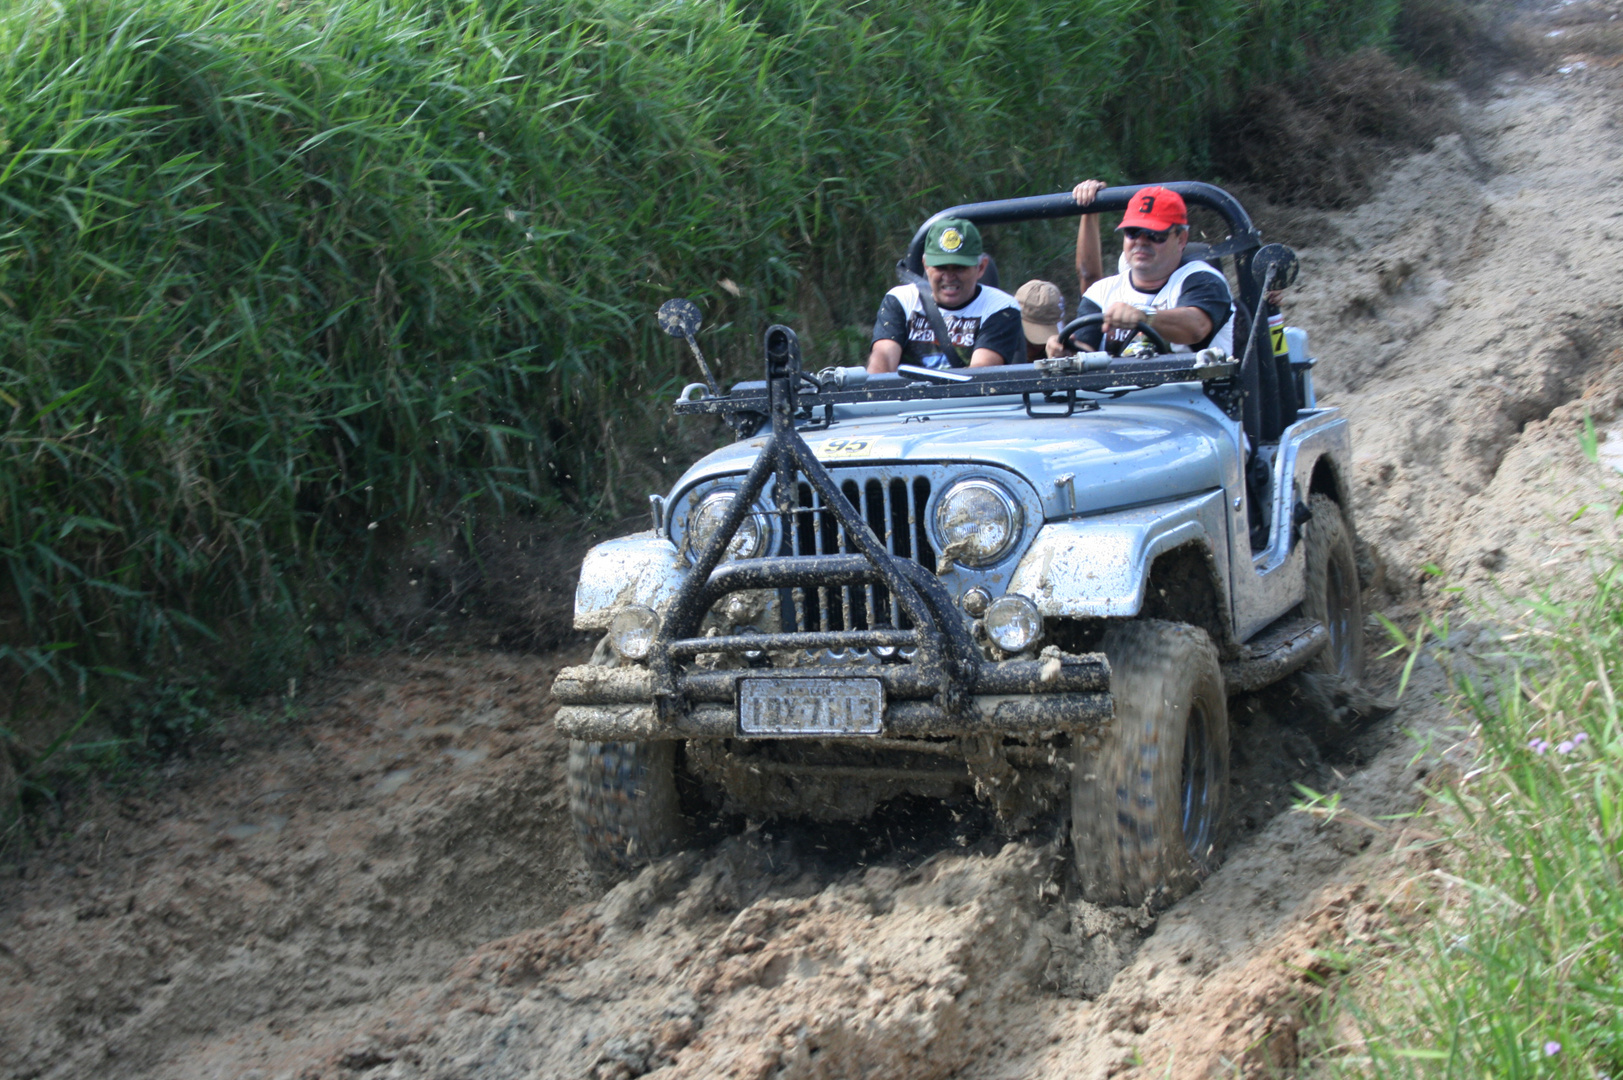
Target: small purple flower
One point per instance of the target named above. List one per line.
(1565, 747)
(1552, 1048)
(1581, 737)
(1538, 746)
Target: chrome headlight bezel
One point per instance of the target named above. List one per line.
(1013, 522)
(706, 516)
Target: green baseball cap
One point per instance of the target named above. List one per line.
(953, 242)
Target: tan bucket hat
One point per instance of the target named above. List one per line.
(1042, 309)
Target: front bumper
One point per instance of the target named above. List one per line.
(1019, 698)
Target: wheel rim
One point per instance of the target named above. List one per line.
(1199, 769)
(1338, 617)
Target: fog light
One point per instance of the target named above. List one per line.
(631, 632)
(751, 655)
(1013, 623)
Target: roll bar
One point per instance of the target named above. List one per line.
(1243, 237)
(1262, 394)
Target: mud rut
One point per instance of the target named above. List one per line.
(390, 888)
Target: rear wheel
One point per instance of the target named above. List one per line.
(624, 800)
(1147, 804)
(1332, 595)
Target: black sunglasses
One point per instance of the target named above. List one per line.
(1134, 232)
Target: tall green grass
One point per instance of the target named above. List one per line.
(1507, 958)
(277, 276)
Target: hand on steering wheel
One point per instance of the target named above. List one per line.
(1067, 333)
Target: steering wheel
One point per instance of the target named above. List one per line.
(1068, 332)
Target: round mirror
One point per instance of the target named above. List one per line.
(1277, 259)
(680, 317)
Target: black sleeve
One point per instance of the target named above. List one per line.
(1089, 336)
(891, 323)
(1001, 332)
(1210, 294)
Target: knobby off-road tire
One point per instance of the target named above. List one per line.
(1333, 595)
(623, 798)
(1147, 804)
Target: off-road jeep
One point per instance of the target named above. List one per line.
(1037, 583)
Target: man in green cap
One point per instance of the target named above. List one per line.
(983, 322)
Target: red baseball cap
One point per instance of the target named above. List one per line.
(1155, 208)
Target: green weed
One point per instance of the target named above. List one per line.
(279, 279)
(36, 780)
(1509, 963)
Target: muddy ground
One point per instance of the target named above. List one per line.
(386, 885)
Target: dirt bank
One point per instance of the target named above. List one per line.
(388, 887)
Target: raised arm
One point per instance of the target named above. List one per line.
(1090, 263)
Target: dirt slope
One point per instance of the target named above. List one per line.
(390, 888)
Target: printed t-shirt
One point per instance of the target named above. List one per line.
(990, 321)
(1194, 284)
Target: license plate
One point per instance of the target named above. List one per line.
(810, 706)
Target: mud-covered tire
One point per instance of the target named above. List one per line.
(1332, 593)
(624, 802)
(1146, 806)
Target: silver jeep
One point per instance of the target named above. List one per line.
(1039, 584)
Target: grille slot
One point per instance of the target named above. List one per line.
(894, 509)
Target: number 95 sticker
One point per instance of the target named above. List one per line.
(846, 448)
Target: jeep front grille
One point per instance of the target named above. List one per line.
(894, 509)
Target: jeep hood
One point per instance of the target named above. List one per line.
(1126, 453)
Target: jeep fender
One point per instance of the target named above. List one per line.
(1099, 567)
(1312, 454)
(641, 569)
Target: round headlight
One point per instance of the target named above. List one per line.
(632, 630)
(1013, 623)
(747, 543)
(978, 522)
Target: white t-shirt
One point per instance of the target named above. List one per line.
(1194, 284)
(990, 321)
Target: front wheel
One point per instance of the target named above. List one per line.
(624, 800)
(1147, 804)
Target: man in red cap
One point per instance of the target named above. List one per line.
(1188, 303)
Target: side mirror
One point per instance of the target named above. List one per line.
(1274, 266)
(680, 317)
